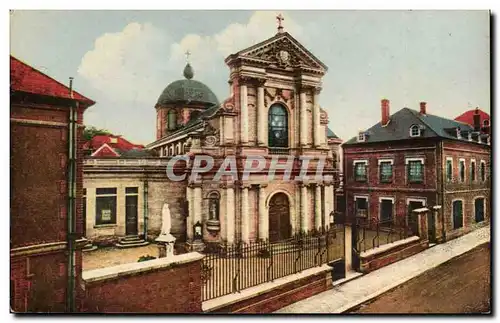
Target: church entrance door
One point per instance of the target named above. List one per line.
(279, 218)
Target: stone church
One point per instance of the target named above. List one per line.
(272, 111)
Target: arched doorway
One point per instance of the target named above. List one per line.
(279, 217)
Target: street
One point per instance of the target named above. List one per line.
(461, 285)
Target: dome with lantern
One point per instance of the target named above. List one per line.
(188, 91)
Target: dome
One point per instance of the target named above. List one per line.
(188, 91)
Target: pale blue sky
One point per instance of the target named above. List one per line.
(124, 59)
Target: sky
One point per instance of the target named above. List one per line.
(124, 59)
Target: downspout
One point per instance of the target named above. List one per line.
(145, 211)
(70, 301)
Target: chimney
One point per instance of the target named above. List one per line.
(477, 120)
(423, 108)
(385, 112)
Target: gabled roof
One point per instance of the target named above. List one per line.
(105, 151)
(279, 37)
(400, 122)
(468, 117)
(25, 78)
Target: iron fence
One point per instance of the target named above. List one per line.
(373, 233)
(232, 268)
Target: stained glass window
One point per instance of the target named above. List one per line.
(278, 126)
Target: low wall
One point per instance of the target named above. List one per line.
(165, 285)
(389, 253)
(269, 297)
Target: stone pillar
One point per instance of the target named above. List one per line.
(261, 115)
(304, 205)
(230, 218)
(316, 113)
(303, 119)
(263, 215)
(348, 248)
(197, 200)
(243, 114)
(245, 217)
(317, 208)
(329, 207)
(423, 232)
(189, 222)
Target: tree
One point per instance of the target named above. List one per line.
(91, 132)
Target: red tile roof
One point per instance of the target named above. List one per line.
(115, 142)
(25, 78)
(468, 117)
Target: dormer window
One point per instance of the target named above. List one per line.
(113, 140)
(361, 136)
(459, 135)
(469, 136)
(415, 131)
(486, 123)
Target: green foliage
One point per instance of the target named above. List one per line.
(145, 258)
(91, 132)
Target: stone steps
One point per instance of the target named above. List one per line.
(89, 247)
(131, 242)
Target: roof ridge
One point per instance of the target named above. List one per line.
(51, 78)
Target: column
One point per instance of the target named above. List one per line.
(189, 222)
(263, 215)
(303, 208)
(261, 117)
(328, 204)
(303, 119)
(245, 217)
(230, 215)
(316, 113)
(197, 205)
(317, 207)
(244, 113)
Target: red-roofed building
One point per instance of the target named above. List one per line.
(46, 162)
(109, 146)
(476, 118)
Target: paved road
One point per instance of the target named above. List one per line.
(461, 285)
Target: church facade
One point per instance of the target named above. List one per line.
(272, 113)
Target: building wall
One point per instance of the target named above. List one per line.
(160, 191)
(468, 190)
(39, 197)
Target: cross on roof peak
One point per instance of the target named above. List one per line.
(188, 53)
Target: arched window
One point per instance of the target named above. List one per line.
(213, 206)
(415, 131)
(278, 126)
(172, 119)
(486, 123)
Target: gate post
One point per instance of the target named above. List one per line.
(423, 230)
(348, 247)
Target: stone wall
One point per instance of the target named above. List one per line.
(164, 285)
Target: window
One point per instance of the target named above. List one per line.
(385, 169)
(361, 205)
(105, 210)
(479, 209)
(449, 169)
(361, 136)
(415, 131)
(483, 171)
(486, 123)
(472, 170)
(172, 119)
(213, 206)
(360, 171)
(462, 170)
(457, 214)
(415, 171)
(278, 126)
(386, 211)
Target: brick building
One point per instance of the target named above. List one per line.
(46, 123)
(272, 110)
(413, 159)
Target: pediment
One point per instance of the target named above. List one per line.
(284, 51)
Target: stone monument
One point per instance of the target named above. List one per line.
(165, 240)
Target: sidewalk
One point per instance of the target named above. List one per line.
(359, 290)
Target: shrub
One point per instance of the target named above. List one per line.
(145, 258)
